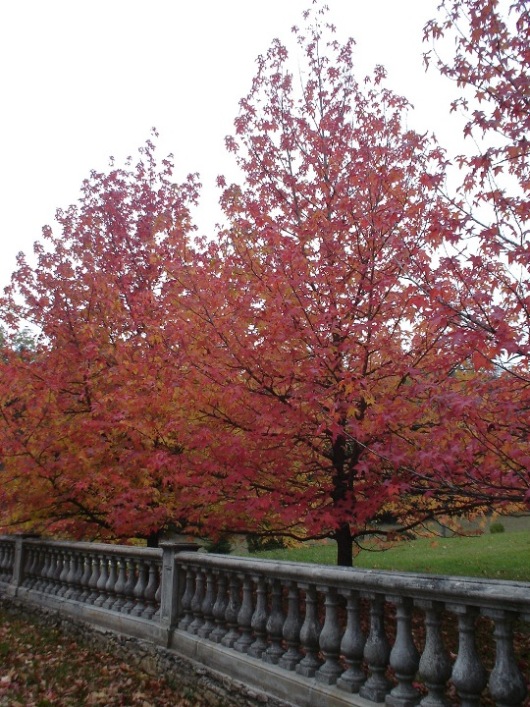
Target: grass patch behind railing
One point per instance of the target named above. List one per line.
(497, 556)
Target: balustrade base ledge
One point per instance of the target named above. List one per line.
(97, 618)
(263, 677)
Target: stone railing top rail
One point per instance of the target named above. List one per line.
(130, 550)
(484, 593)
(480, 592)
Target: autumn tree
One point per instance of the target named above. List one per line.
(491, 70)
(319, 364)
(88, 421)
(319, 360)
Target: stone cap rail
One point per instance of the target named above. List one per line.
(469, 591)
(130, 550)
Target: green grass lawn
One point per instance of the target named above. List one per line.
(499, 556)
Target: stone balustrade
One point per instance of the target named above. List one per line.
(308, 634)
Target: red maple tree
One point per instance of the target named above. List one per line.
(491, 70)
(312, 369)
(88, 419)
(319, 360)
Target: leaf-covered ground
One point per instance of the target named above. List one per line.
(44, 667)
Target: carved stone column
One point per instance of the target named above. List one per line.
(259, 619)
(435, 664)
(330, 638)
(185, 613)
(309, 635)
(404, 657)
(232, 611)
(207, 606)
(468, 674)
(275, 625)
(291, 630)
(376, 653)
(219, 608)
(244, 617)
(506, 683)
(352, 647)
(196, 602)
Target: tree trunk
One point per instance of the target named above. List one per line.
(153, 538)
(344, 546)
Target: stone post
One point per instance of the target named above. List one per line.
(170, 586)
(18, 563)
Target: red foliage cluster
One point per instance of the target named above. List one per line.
(318, 363)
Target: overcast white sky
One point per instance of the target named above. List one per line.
(83, 80)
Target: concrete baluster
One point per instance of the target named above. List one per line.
(102, 580)
(17, 560)
(330, 640)
(275, 625)
(507, 685)
(57, 569)
(291, 630)
(4, 562)
(158, 594)
(468, 676)
(39, 579)
(139, 588)
(150, 590)
(29, 569)
(219, 608)
(207, 606)
(70, 589)
(46, 571)
(352, 647)
(85, 578)
(48, 579)
(259, 619)
(33, 567)
(65, 569)
(9, 562)
(5, 570)
(93, 581)
(435, 664)
(119, 587)
(185, 602)
(79, 576)
(110, 595)
(48, 586)
(71, 565)
(232, 610)
(376, 653)
(404, 657)
(309, 635)
(244, 617)
(196, 602)
(130, 584)
(58, 566)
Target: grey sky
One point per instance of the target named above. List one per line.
(83, 80)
